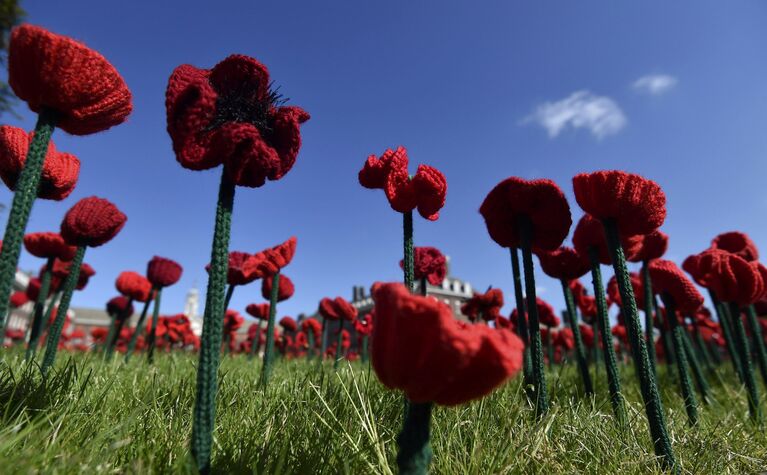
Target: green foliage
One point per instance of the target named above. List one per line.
(92, 416)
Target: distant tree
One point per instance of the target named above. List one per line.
(11, 14)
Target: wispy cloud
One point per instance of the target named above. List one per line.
(600, 115)
(655, 84)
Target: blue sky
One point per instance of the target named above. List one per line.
(480, 90)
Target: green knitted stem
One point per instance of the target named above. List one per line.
(702, 348)
(690, 404)
(648, 314)
(665, 338)
(26, 191)
(266, 370)
(527, 365)
(364, 349)
(603, 323)
(323, 339)
(414, 454)
(255, 344)
(139, 327)
(152, 338)
(580, 351)
(339, 341)
(424, 287)
(54, 303)
(110, 333)
(408, 261)
(697, 371)
(54, 332)
(37, 321)
(652, 402)
(119, 322)
(210, 347)
(758, 339)
(310, 340)
(536, 350)
(549, 347)
(744, 354)
(729, 338)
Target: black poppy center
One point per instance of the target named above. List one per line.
(245, 105)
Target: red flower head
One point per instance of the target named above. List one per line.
(232, 321)
(134, 285)
(242, 269)
(19, 298)
(271, 260)
(163, 272)
(637, 204)
(60, 170)
(119, 306)
(61, 271)
(425, 191)
(503, 322)
(228, 115)
(614, 294)
(590, 233)
(420, 348)
(564, 263)
(737, 243)
(312, 325)
(47, 245)
(761, 306)
(541, 201)
(51, 71)
(653, 246)
(546, 314)
(99, 334)
(288, 324)
(258, 310)
(364, 325)
(669, 279)
(620, 332)
(564, 339)
(730, 277)
(429, 264)
(92, 222)
(337, 309)
(587, 333)
(285, 290)
(487, 305)
(33, 289)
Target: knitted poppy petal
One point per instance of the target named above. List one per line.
(589, 232)
(134, 285)
(737, 243)
(163, 272)
(285, 289)
(669, 279)
(564, 263)
(48, 245)
(258, 310)
(431, 188)
(399, 189)
(286, 137)
(653, 246)
(92, 222)
(240, 74)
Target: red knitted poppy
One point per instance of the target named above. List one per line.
(637, 204)
(587, 334)
(487, 305)
(92, 222)
(653, 246)
(242, 269)
(546, 314)
(19, 298)
(564, 339)
(285, 288)
(336, 309)
(539, 200)
(737, 243)
(49, 245)
(614, 294)
(258, 310)
(620, 332)
(730, 277)
(589, 232)
(60, 170)
(564, 263)
(163, 272)
(86, 272)
(420, 348)
(429, 264)
(669, 279)
(426, 190)
(311, 325)
(56, 72)
(61, 271)
(229, 115)
(269, 261)
(118, 306)
(134, 285)
(33, 289)
(288, 324)
(232, 321)
(364, 325)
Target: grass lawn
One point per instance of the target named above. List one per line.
(94, 417)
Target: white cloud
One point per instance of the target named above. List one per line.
(600, 115)
(655, 84)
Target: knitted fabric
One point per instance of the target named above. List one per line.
(258, 310)
(564, 263)
(49, 245)
(747, 369)
(151, 341)
(37, 319)
(428, 263)
(580, 352)
(285, 291)
(408, 262)
(92, 222)
(337, 309)
(758, 341)
(134, 285)
(266, 370)
(667, 278)
(269, 261)
(737, 243)
(288, 324)
(589, 233)
(241, 270)
(163, 272)
(690, 402)
(654, 245)
(137, 330)
(51, 71)
(414, 453)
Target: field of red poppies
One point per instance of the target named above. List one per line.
(674, 382)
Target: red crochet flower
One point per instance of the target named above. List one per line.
(364, 325)
(61, 271)
(730, 277)
(288, 324)
(420, 348)
(56, 72)
(258, 310)
(33, 289)
(49, 245)
(19, 298)
(669, 279)
(285, 289)
(337, 309)
(564, 339)
(546, 314)
(539, 200)
(637, 204)
(92, 222)
(232, 321)
(119, 306)
(312, 325)
(134, 285)
(60, 170)
(587, 333)
(429, 264)
(654, 245)
(564, 263)
(487, 305)
(425, 191)
(163, 272)
(589, 233)
(229, 115)
(242, 269)
(737, 243)
(614, 294)
(269, 261)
